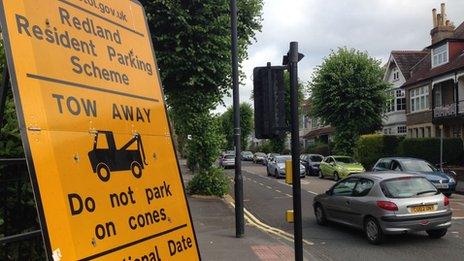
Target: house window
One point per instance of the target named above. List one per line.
(400, 100)
(396, 75)
(440, 55)
(419, 98)
(402, 129)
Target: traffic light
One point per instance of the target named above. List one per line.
(269, 98)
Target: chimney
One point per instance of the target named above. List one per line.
(442, 27)
(443, 14)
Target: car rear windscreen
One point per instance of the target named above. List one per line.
(407, 187)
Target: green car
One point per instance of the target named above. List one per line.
(339, 167)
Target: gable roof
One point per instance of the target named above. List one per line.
(405, 60)
(459, 32)
(423, 70)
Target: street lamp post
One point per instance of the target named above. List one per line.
(238, 186)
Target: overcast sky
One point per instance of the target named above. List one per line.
(375, 26)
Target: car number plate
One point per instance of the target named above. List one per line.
(420, 209)
(441, 186)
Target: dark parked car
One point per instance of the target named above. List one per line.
(311, 163)
(385, 203)
(445, 183)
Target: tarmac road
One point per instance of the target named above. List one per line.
(268, 199)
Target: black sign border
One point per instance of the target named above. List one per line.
(26, 144)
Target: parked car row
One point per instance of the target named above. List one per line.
(340, 167)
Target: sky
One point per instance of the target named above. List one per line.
(375, 26)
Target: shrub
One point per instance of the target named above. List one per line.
(212, 182)
(429, 149)
(319, 148)
(266, 147)
(369, 148)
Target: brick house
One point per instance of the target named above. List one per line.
(435, 85)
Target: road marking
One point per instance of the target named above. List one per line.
(250, 218)
(458, 218)
(459, 203)
(269, 187)
(314, 193)
(278, 191)
(261, 184)
(288, 195)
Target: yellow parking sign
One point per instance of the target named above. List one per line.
(95, 131)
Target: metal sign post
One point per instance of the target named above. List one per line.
(293, 59)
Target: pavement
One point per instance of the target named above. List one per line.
(214, 222)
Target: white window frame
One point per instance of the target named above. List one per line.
(419, 99)
(445, 53)
(402, 129)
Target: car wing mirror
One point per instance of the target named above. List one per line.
(453, 173)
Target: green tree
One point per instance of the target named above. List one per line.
(348, 93)
(192, 44)
(246, 125)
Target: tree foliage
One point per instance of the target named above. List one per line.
(192, 42)
(348, 93)
(246, 125)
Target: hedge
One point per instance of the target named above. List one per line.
(429, 149)
(319, 148)
(370, 148)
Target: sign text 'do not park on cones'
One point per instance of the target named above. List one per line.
(95, 131)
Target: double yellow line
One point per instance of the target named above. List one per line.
(252, 220)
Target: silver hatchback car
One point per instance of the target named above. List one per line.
(386, 203)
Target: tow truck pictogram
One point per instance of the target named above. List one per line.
(107, 160)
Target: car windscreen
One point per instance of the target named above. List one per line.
(247, 153)
(344, 159)
(316, 158)
(407, 187)
(282, 159)
(229, 157)
(417, 165)
(260, 155)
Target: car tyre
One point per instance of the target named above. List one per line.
(321, 219)
(437, 233)
(336, 177)
(373, 231)
(276, 174)
(321, 175)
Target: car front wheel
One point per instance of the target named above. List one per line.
(321, 176)
(373, 231)
(321, 219)
(437, 233)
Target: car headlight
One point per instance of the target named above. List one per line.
(451, 180)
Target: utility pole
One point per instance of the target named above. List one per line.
(238, 186)
(293, 59)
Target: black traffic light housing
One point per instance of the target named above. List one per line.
(269, 99)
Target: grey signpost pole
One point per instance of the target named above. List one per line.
(293, 58)
(239, 217)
